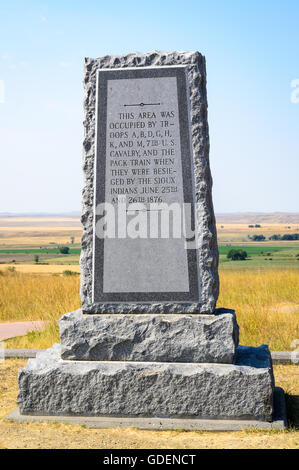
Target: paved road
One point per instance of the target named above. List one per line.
(21, 328)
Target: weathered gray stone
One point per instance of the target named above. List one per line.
(278, 357)
(154, 362)
(187, 424)
(50, 386)
(154, 338)
(205, 221)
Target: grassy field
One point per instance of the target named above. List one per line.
(47, 255)
(263, 289)
(259, 256)
(34, 232)
(39, 269)
(65, 436)
(22, 238)
(239, 233)
(266, 303)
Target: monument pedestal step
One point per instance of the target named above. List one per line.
(52, 386)
(150, 337)
(160, 424)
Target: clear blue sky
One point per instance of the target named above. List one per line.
(252, 52)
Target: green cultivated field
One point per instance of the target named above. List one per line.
(46, 255)
(261, 257)
(39, 251)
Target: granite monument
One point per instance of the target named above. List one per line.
(148, 340)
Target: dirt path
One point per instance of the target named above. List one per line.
(20, 328)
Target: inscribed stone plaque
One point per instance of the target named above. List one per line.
(143, 139)
(146, 155)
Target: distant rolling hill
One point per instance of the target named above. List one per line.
(221, 218)
(258, 218)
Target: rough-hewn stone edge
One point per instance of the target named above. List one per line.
(98, 337)
(278, 357)
(216, 425)
(146, 308)
(259, 357)
(206, 226)
(42, 388)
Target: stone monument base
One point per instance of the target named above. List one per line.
(150, 337)
(243, 390)
(160, 424)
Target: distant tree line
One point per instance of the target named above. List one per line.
(286, 236)
(257, 238)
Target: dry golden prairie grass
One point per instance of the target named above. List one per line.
(25, 297)
(266, 304)
(66, 436)
(239, 232)
(39, 220)
(38, 231)
(32, 297)
(42, 268)
(36, 239)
